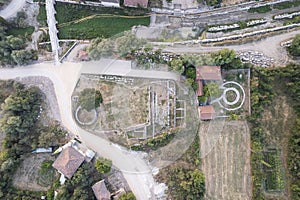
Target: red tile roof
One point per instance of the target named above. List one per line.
(100, 191)
(207, 112)
(135, 3)
(199, 91)
(68, 162)
(208, 73)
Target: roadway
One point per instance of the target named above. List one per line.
(50, 10)
(269, 46)
(11, 9)
(134, 168)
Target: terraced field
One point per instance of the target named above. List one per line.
(225, 153)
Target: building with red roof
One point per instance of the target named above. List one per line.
(207, 112)
(207, 73)
(100, 191)
(68, 161)
(211, 73)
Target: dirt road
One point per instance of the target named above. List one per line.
(269, 46)
(12, 8)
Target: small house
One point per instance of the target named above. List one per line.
(100, 191)
(68, 161)
(207, 73)
(207, 112)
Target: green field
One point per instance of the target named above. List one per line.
(100, 27)
(114, 21)
(70, 12)
(261, 9)
(20, 31)
(287, 4)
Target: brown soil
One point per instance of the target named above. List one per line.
(225, 152)
(26, 175)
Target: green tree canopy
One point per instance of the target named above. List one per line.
(186, 184)
(224, 56)
(90, 98)
(127, 196)
(103, 165)
(191, 73)
(211, 89)
(176, 64)
(294, 49)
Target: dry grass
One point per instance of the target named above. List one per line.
(225, 152)
(26, 176)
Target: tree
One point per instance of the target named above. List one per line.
(15, 43)
(191, 73)
(294, 49)
(23, 57)
(186, 183)
(50, 135)
(126, 43)
(103, 165)
(211, 89)
(214, 3)
(127, 196)
(116, 46)
(90, 98)
(176, 64)
(223, 57)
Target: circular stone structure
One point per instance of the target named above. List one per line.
(240, 96)
(237, 96)
(86, 123)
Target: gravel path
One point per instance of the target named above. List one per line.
(269, 46)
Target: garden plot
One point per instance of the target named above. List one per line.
(27, 176)
(272, 167)
(225, 153)
(242, 89)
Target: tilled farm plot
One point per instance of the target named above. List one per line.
(225, 153)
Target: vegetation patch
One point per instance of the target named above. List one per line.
(20, 31)
(100, 27)
(275, 123)
(260, 9)
(88, 22)
(90, 99)
(286, 5)
(184, 179)
(272, 165)
(46, 173)
(103, 165)
(13, 44)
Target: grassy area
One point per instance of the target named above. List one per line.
(114, 21)
(20, 31)
(286, 5)
(260, 9)
(75, 12)
(100, 26)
